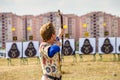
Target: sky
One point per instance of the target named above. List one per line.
(78, 7)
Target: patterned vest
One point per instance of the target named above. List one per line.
(50, 66)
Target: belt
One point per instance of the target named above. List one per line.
(52, 77)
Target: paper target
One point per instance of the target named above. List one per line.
(68, 47)
(87, 46)
(30, 49)
(106, 45)
(13, 49)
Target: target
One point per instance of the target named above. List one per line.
(13, 49)
(87, 46)
(106, 45)
(30, 49)
(68, 47)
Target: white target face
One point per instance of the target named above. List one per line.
(68, 47)
(118, 45)
(30, 49)
(87, 46)
(106, 45)
(13, 49)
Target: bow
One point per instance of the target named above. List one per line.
(61, 18)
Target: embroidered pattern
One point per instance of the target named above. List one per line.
(13, 52)
(67, 49)
(107, 46)
(30, 51)
(86, 48)
(50, 66)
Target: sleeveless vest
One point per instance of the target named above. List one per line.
(50, 66)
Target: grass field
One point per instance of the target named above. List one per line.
(83, 69)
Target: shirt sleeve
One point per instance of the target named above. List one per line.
(52, 50)
(57, 38)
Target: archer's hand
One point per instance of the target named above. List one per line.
(61, 32)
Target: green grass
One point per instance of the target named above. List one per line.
(84, 69)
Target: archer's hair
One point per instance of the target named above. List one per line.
(46, 31)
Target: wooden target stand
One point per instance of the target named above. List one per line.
(74, 57)
(86, 34)
(9, 61)
(81, 57)
(118, 57)
(25, 60)
(106, 33)
(114, 57)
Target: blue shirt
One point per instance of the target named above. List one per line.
(52, 50)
